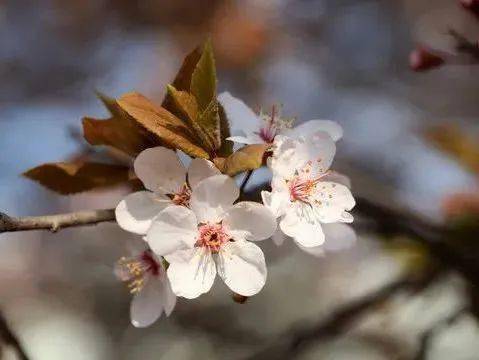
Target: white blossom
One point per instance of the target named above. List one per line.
(167, 182)
(306, 195)
(212, 237)
(252, 128)
(147, 281)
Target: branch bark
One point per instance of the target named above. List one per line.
(55, 222)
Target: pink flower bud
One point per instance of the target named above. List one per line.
(423, 59)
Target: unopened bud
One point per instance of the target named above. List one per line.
(423, 59)
(471, 5)
(240, 299)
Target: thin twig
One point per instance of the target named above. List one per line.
(55, 222)
(10, 339)
(294, 341)
(429, 334)
(245, 180)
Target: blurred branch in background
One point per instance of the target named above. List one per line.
(295, 340)
(9, 339)
(441, 325)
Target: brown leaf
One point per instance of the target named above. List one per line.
(186, 108)
(120, 131)
(247, 158)
(168, 128)
(75, 177)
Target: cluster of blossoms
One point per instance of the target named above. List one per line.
(194, 228)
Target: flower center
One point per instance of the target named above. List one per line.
(273, 124)
(302, 186)
(182, 197)
(136, 268)
(212, 236)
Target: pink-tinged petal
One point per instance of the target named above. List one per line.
(212, 197)
(191, 272)
(175, 228)
(332, 200)
(242, 267)
(147, 305)
(319, 149)
(250, 221)
(334, 176)
(277, 200)
(199, 170)
(338, 237)
(305, 233)
(318, 251)
(136, 211)
(332, 128)
(279, 237)
(168, 297)
(240, 116)
(286, 158)
(160, 170)
(248, 140)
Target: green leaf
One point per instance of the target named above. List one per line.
(182, 80)
(75, 177)
(210, 122)
(203, 80)
(163, 124)
(226, 147)
(247, 158)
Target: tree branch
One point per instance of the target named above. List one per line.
(55, 222)
(428, 335)
(10, 339)
(294, 341)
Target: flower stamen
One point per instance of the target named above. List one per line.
(273, 124)
(182, 197)
(135, 269)
(212, 237)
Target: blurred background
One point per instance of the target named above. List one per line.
(344, 60)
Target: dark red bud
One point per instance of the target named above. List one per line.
(471, 5)
(240, 299)
(423, 59)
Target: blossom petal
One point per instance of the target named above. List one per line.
(309, 127)
(160, 169)
(276, 200)
(191, 272)
(338, 236)
(200, 169)
(212, 197)
(249, 140)
(332, 200)
(336, 177)
(242, 267)
(168, 297)
(146, 306)
(175, 228)
(305, 233)
(250, 220)
(240, 115)
(286, 159)
(136, 211)
(319, 149)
